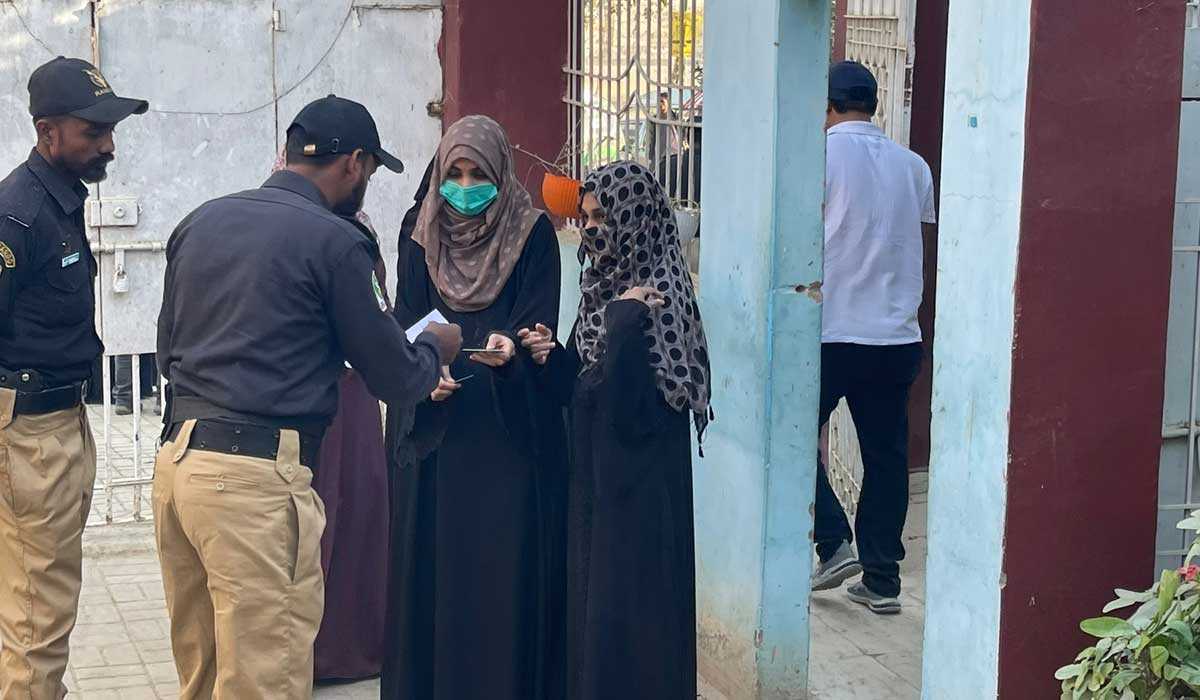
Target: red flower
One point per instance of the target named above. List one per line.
(1189, 573)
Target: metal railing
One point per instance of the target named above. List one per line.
(125, 449)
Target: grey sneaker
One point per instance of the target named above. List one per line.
(880, 605)
(833, 573)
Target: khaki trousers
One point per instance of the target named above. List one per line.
(239, 540)
(47, 471)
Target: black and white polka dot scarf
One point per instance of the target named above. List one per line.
(638, 246)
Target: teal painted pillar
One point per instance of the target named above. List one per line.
(766, 63)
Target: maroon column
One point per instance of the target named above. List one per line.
(505, 58)
(925, 138)
(1102, 138)
(839, 30)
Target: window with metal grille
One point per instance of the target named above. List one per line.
(635, 87)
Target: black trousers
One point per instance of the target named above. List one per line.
(123, 377)
(875, 381)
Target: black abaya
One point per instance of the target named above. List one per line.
(475, 609)
(631, 606)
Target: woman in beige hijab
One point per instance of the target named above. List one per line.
(475, 607)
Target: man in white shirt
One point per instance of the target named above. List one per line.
(878, 195)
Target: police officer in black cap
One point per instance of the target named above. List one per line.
(268, 293)
(48, 344)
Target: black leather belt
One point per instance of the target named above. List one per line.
(37, 403)
(244, 440)
(34, 399)
(49, 401)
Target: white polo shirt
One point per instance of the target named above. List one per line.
(877, 194)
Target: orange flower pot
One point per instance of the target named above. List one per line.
(561, 195)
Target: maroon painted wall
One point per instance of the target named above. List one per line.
(839, 31)
(505, 59)
(1102, 137)
(925, 138)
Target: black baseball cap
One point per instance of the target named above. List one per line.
(850, 81)
(336, 125)
(73, 87)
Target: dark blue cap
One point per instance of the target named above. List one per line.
(74, 87)
(850, 81)
(336, 125)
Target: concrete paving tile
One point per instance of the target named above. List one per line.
(907, 665)
(162, 672)
(98, 635)
(112, 669)
(112, 682)
(121, 654)
(123, 592)
(858, 678)
(145, 630)
(827, 643)
(86, 656)
(90, 613)
(872, 634)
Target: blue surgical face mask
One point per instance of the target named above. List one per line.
(469, 201)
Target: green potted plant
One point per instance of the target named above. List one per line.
(1152, 654)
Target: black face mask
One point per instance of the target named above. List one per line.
(588, 233)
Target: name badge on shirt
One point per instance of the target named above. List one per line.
(70, 260)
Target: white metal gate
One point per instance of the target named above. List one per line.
(879, 34)
(224, 80)
(1179, 488)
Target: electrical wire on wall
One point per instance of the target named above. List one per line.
(212, 113)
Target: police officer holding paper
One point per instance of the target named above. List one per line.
(267, 294)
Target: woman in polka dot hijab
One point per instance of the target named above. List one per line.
(637, 245)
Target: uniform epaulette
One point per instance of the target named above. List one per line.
(22, 205)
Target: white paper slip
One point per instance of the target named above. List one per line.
(419, 327)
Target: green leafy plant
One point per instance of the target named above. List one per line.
(1152, 654)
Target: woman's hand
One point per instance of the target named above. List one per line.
(650, 297)
(507, 349)
(446, 386)
(539, 341)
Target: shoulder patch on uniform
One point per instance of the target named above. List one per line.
(378, 292)
(7, 257)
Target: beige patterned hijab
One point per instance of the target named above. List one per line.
(470, 258)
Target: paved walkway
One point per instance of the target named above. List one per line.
(120, 650)
(858, 655)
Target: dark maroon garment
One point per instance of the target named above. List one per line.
(352, 480)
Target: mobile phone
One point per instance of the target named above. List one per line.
(482, 351)
(460, 381)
